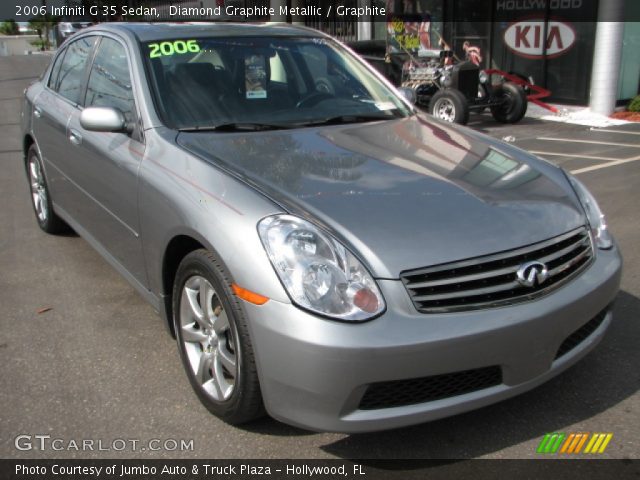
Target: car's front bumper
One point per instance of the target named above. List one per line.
(314, 372)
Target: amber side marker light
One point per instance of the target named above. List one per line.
(248, 295)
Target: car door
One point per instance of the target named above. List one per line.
(105, 165)
(51, 113)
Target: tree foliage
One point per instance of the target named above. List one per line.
(42, 25)
(10, 27)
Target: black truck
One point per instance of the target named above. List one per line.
(446, 88)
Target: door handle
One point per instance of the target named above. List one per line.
(37, 112)
(75, 137)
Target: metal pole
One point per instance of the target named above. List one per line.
(363, 24)
(607, 57)
(545, 34)
(297, 19)
(276, 4)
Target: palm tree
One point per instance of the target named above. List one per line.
(10, 27)
(42, 25)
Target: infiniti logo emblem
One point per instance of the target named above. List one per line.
(531, 274)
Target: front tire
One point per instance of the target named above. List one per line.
(213, 340)
(450, 106)
(514, 105)
(41, 201)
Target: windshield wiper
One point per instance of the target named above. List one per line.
(256, 127)
(358, 118)
(234, 127)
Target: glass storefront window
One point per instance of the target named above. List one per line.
(629, 85)
(563, 62)
(414, 25)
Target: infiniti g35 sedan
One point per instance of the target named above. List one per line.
(321, 250)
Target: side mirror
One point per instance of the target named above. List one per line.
(409, 94)
(104, 119)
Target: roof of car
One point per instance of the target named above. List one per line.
(147, 32)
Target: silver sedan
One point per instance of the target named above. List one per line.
(321, 250)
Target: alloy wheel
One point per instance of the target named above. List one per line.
(38, 190)
(208, 339)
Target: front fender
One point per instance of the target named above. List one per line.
(182, 195)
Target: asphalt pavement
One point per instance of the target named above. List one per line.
(83, 357)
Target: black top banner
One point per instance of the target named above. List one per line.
(318, 10)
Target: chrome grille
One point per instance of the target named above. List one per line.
(468, 80)
(491, 281)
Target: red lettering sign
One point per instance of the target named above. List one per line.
(525, 38)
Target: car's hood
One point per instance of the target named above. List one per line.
(404, 193)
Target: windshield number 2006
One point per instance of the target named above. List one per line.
(171, 48)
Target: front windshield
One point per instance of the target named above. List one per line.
(279, 81)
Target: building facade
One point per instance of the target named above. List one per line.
(575, 48)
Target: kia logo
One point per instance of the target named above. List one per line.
(525, 38)
(532, 274)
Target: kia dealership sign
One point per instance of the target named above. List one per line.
(526, 38)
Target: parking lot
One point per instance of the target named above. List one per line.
(578, 149)
(84, 357)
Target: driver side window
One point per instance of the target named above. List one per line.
(110, 80)
(69, 76)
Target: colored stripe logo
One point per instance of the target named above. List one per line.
(574, 443)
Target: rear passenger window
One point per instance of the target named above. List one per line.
(110, 80)
(53, 79)
(72, 69)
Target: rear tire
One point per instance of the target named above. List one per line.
(450, 106)
(41, 200)
(213, 340)
(514, 107)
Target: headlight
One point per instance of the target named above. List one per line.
(319, 273)
(595, 216)
(483, 77)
